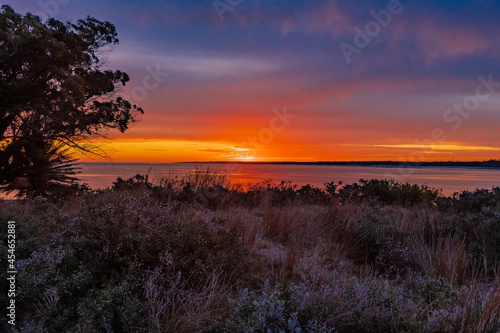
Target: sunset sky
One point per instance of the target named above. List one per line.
(285, 80)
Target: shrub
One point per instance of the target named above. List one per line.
(376, 256)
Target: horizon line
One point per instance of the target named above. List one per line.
(306, 162)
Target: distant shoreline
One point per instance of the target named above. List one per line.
(492, 164)
(473, 164)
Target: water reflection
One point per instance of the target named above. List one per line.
(449, 179)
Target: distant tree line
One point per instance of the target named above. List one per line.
(481, 164)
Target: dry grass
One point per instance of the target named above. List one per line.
(240, 262)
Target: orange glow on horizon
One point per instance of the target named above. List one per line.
(150, 150)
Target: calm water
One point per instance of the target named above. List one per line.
(450, 180)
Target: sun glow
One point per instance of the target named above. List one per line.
(246, 158)
(168, 150)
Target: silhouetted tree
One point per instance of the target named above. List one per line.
(54, 96)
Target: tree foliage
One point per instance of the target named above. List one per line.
(54, 95)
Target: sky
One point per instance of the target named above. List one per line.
(296, 80)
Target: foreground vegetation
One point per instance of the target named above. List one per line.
(194, 254)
